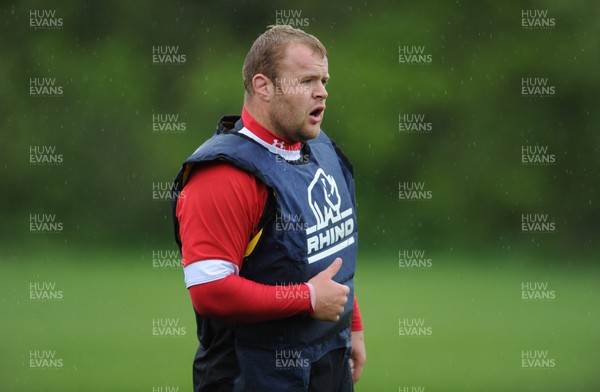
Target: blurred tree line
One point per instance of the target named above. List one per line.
(115, 158)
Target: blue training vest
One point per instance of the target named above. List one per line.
(314, 222)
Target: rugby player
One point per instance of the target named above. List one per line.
(265, 217)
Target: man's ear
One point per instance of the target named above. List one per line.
(263, 87)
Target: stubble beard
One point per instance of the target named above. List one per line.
(290, 126)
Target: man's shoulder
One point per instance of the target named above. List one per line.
(223, 172)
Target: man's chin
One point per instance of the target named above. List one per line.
(311, 132)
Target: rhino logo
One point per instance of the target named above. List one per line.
(323, 188)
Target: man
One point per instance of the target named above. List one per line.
(265, 218)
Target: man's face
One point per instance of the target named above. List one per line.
(298, 105)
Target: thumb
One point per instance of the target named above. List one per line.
(333, 268)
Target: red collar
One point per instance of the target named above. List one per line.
(267, 136)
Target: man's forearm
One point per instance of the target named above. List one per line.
(240, 300)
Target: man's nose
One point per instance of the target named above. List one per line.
(320, 91)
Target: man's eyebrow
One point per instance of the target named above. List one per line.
(315, 76)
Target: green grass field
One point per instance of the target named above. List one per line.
(102, 327)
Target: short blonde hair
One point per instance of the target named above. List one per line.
(269, 50)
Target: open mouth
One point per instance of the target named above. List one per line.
(317, 114)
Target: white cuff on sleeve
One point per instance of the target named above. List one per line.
(205, 271)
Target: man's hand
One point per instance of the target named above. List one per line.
(358, 355)
(331, 296)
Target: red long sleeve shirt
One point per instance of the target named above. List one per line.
(219, 210)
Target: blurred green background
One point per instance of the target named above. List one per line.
(113, 259)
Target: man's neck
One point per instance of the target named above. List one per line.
(289, 151)
(267, 135)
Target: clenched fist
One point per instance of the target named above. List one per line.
(330, 295)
